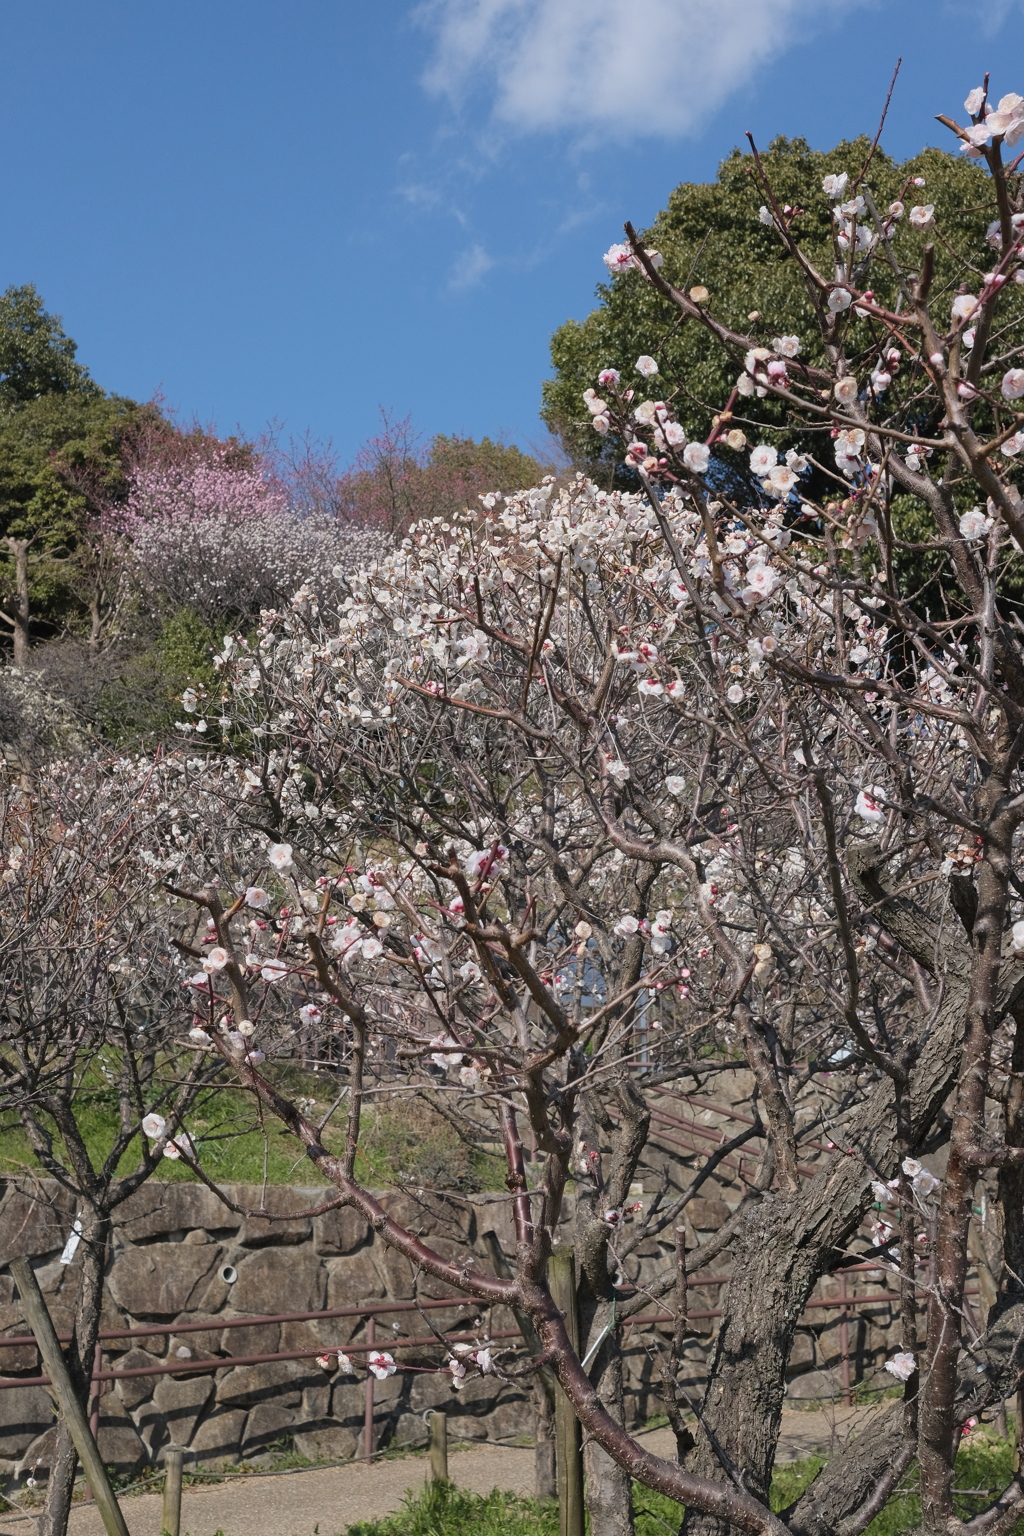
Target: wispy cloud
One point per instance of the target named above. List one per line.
(615, 68)
(470, 268)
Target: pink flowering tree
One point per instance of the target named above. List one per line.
(211, 527)
(591, 792)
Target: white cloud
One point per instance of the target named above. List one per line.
(615, 67)
(470, 267)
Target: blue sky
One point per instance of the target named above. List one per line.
(294, 213)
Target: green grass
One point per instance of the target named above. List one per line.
(406, 1144)
(444, 1510)
(984, 1462)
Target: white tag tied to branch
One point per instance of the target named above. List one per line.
(71, 1246)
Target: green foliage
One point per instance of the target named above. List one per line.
(58, 454)
(498, 466)
(36, 357)
(225, 1123)
(710, 234)
(985, 1462)
(143, 701)
(444, 1510)
(412, 1143)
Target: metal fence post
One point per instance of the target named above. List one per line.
(171, 1518)
(567, 1427)
(371, 1337)
(74, 1415)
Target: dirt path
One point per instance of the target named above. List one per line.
(324, 1502)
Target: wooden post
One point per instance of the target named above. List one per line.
(171, 1519)
(40, 1322)
(438, 1447)
(94, 1404)
(371, 1338)
(567, 1427)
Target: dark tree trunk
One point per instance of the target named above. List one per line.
(92, 1256)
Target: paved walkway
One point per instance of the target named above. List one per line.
(324, 1502)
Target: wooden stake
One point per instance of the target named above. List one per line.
(173, 1457)
(567, 1426)
(40, 1322)
(438, 1447)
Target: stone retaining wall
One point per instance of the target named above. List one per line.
(179, 1255)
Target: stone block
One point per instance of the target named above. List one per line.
(159, 1211)
(325, 1333)
(25, 1414)
(161, 1279)
(217, 1439)
(316, 1400)
(133, 1390)
(270, 1422)
(249, 1384)
(204, 1341)
(260, 1231)
(119, 1442)
(19, 1357)
(396, 1273)
(278, 1280)
(258, 1339)
(326, 1442)
(352, 1280)
(35, 1218)
(707, 1215)
(179, 1404)
(340, 1231)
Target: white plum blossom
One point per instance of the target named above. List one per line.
(974, 524)
(1017, 937)
(216, 960)
(902, 1366)
(835, 186)
(761, 583)
(609, 376)
(696, 458)
(309, 1013)
(626, 926)
(735, 694)
(867, 804)
(344, 1363)
(279, 855)
(381, 1364)
(846, 389)
(964, 306)
(676, 785)
(1013, 383)
(975, 101)
(922, 216)
(200, 1038)
(452, 1054)
(154, 1126)
(763, 458)
(618, 259)
(257, 897)
(647, 366)
(618, 772)
(674, 434)
(839, 299)
(787, 346)
(273, 970)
